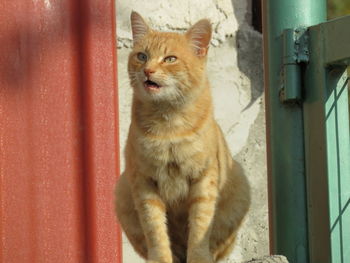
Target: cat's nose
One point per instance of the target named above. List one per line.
(148, 71)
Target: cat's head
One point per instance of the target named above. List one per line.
(168, 67)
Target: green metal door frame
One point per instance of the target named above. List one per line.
(286, 158)
(307, 131)
(326, 122)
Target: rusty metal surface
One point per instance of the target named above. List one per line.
(58, 131)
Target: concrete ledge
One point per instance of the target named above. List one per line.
(269, 259)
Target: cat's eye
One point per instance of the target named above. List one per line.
(170, 59)
(142, 57)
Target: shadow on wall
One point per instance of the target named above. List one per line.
(249, 50)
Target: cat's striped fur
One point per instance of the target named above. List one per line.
(181, 197)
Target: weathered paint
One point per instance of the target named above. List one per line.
(58, 131)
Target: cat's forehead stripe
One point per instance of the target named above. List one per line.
(160, 43)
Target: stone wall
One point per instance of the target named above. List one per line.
(235, 73)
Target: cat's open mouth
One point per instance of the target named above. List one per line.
(151, 85)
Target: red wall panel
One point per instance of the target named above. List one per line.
(58, 131)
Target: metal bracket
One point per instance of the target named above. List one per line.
(295, 52)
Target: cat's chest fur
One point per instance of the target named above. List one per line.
(172, 163)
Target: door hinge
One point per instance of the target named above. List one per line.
(295, 52)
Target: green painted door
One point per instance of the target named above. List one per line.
(308, 131)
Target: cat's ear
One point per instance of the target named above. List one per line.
(138, 26)
(199, 36)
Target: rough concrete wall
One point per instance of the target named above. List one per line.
(235, 73)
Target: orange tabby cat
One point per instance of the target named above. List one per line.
(181, 197)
